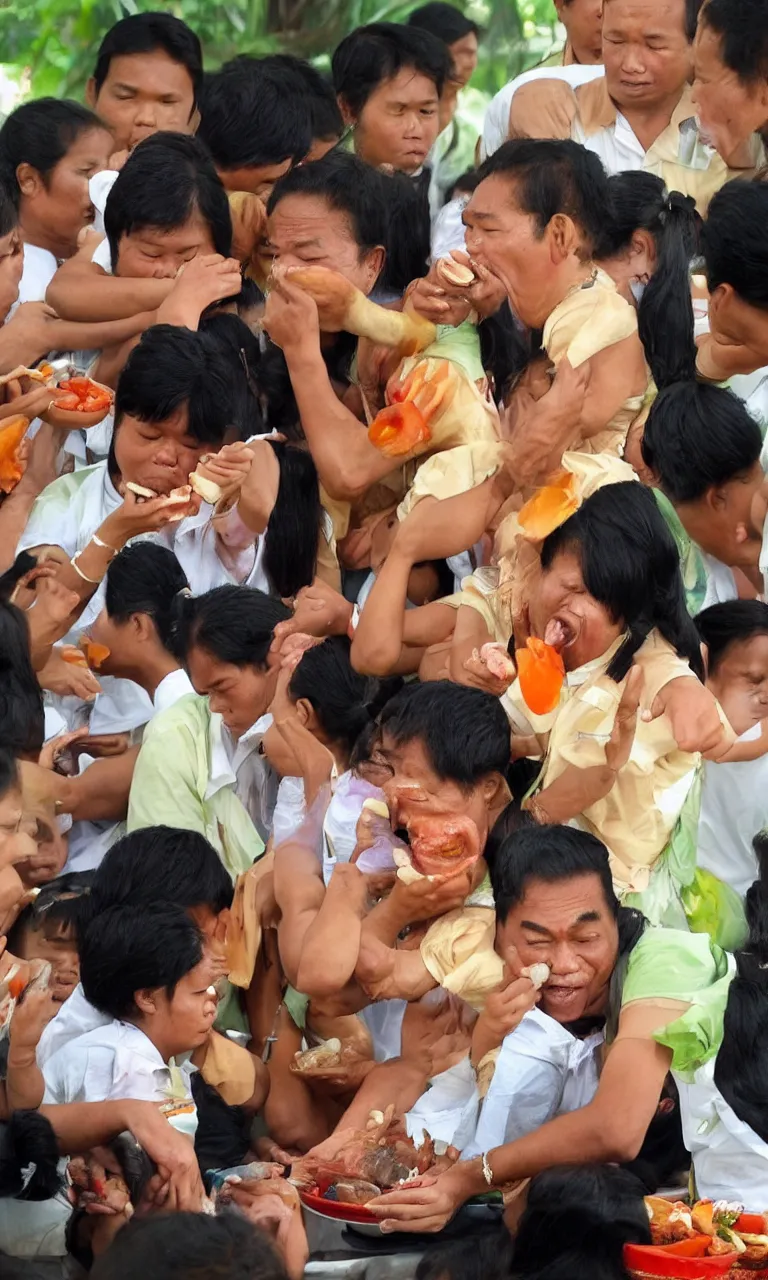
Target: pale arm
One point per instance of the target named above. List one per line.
(82, 291)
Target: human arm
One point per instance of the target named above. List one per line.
(331, 944)
(101, 792)
(542, 109)
(695, 719)
(386, 973)
(616, 374)
(17, 506)
(81, 290)
(24, 1083)
(298, 885)
(208, 278)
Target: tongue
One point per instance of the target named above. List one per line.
(555, 634)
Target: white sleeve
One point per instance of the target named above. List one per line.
(99, 188)
(80, 1075)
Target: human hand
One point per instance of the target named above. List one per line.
(30, 1018)
(55, 605)
(434, 299)
(542, 109)
(619, 746)
(172, 1153)
(40, 461)
(291, 318)
(66, 678)
(29, 334)
(103, 745)
(25, 396)
(478, 673)
(544, 428)
(137, 515)
(434, 1034)
(424, 1205)
(57, 747)
(504, 1009)
(205, 279)
(428, 898)
(694, 716)
(318, 611)
(228, 468)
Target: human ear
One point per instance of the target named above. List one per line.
(145, 1001)
(564, 239)
(29, 180)
(347, 114)
(90, 93)
(374, 264)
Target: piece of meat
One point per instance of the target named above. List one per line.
(352, 1191)
(443, 846)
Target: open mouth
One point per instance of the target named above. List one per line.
(560, 634)
(561, 996)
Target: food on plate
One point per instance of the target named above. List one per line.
(711, 1229)
(83, 395)
(541, 672)
(12, 432)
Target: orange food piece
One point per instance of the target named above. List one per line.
(541, 673)
(16, 985)
(398, 429)
(753, 1223)
(69, 402)
(549, 507)
(75, 657)
(11, 435)
(83, 395)
(95, 654)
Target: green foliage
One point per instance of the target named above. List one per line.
(56, 40)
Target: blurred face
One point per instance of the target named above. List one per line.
(123, 639)
(464, 54)
(158, 455)
(11, 267)
(414, 790)
(16, 840)
(399, 122)
(258, 179)
(569, 926)
(142, 94)
(722, 521)
(50, 850)
(646, 52)
(565, 615)
(509, 243)
(60, 204)
(583, 22)
(240, 695)
(730, 110)
(740, 682)
(305, 231)
(57, 946)
(156, 253)
(181, 1022)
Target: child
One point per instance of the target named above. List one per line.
(44, 931)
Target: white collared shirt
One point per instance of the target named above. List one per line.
(239, 765)
(172, 687)
(496, 123)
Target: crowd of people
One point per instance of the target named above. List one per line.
(384, 646)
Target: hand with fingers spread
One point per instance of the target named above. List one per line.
(291, 317)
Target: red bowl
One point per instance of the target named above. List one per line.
(338, 1209)
(664, 1261)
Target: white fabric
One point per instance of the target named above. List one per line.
(721, 584)
(40, 266)
(99, 188)
(542, 1071)
(730, 1161)
(384, 1020)
(448, 229)
(734, 807)
(75, 1017)
(115, 1060)
(447, 1110)
(102, 256)
(238, 764)
(496, 124)
(340, 824)
(290, 809)
(175, 685)
(34, 1229)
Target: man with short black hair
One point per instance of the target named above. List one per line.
(730, 88)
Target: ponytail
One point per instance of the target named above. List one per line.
(665, 314)
(294, 526)
(29, 1157)
(740, 1063)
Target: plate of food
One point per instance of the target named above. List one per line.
(708, 1238)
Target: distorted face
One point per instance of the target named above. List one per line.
(721, 521)
(157, 253)
(740, 682)
(240, 695)
(59, 201)
(50, 849)
(414, 790)
(258, 179)
(55, 943)
(569, 926)
(142, 94)
(583, 22)
(729, 109)
(304, 230)
(464, 55)
(646, 52)
(510, 243)
(11, 267)
(733, 322)
(16, 841)
(566, 616)
(399, 122)
(182, 1021)
(158, 455)
(125, 638)
(632, 269)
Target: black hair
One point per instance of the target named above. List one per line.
(630, 564)
(692, 10)
(40, 133)
(146, 578)
(165, 180)
(639, 201)
(344, 701)
(696, 437)
(740, 1063)
(239, 348)
(235, 624)
(554, 177)
(481, 1257)
(175, 1246)
(443, 21)
(156, 864)
(548, 853)
(9, 771)
(50, 911)
(576, 1223)
(170, 368)
(148, 33)
(734, 622)
(254, 112)
(29, 1157)
(290, 553)
(734, 240)
(325, 117)
(464, 732)
(743, 35)
(9, 212)
(22, 718)
(128, 949)
(372, 54)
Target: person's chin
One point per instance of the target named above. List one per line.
(564, 1004)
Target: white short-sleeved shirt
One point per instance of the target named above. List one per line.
(734, 808)
(40, 266)
(75, 1018)
(496, 124)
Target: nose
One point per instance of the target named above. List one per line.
(165, 269)
(146, 115)
(217, 704)
(633, 62)
(413, 125)
(564, 960)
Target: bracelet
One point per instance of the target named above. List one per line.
(104, 545)
(487, 1170)
(94, 582)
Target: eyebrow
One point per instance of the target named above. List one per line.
(315, 243)
(477, 215)
(586, 917)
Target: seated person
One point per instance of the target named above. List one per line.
(730, 59)
(654, 989)
(702, 453)
(632, 123)
(201, 765)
